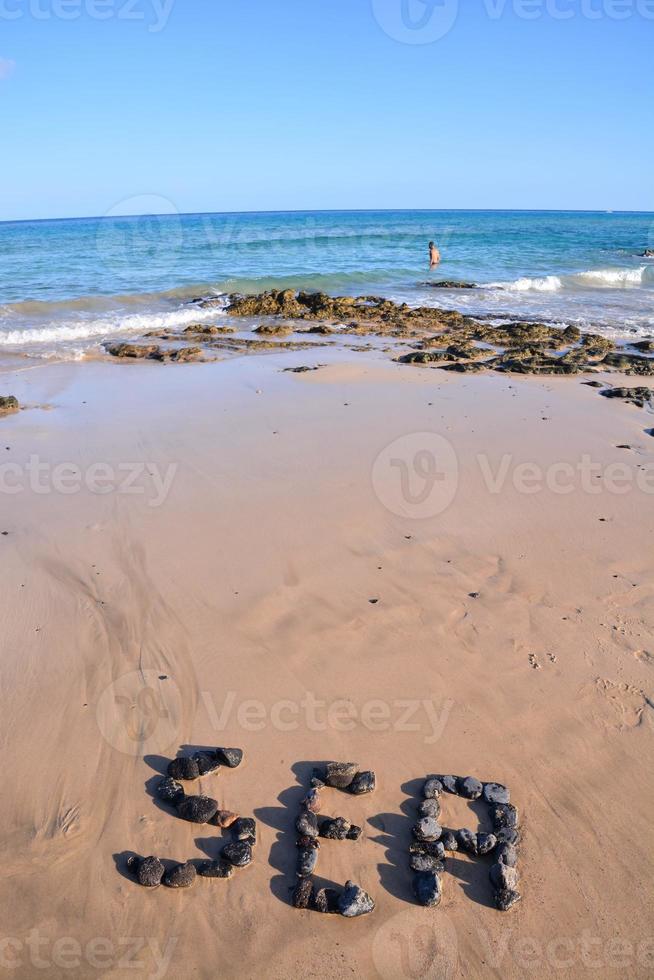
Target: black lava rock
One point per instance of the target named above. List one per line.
(170, 790)
(354, 833)
(363, 782)
(486, 843)
(238, 853)
(432, 789)
(229, 757)
(340, 774)
(496, 793)
(303, 893)
(312, 800)
(184, 769)
(506, 899)
(307, 858)
(429, 808)
(450, 843)
(245, 828)
(469, 787)
(427, 888)
(216, 869)
(326, 900)
(206, 763)
(504, 877)
(449, 783)
(353, 901)
(507, 854)
(181, 876)
(336, 829)
(425, 862)
(432, 847)
(504, 817)
(467, 841)
(427, 828)
(197, 809)
(148, 871)
(307, 824)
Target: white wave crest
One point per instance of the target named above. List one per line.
(60, 331)
(613, 277)
(544, 284)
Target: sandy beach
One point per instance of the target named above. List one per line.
(238, 555)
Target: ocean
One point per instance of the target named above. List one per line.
(68, 285)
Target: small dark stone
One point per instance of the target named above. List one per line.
(473, 595)
(326, 900)
(507, 836)
(216, 869)
(197, 809)
(449, 783)
(432, 789)
(353, 901)
(303, 893)
(307, 824)
(229, 757)
(427, 828)
(467, 841)
(432, 848)
(450, 843)
(238, 853)
(184, 768)
(504, 877)
(486, 843)
(148, 871)
(170, 790)
(181, 876)
(340, 774)
(312, 800)
(308, 842)
(429, 808)
(224, 819)
(336, 829)
(425, 862)
(245, 828)
(507, 854)
(427, 888)
(363, 782)
(504, 816)
(506, 899)
(496, 793)
(354, 833)
(469, 787)
(307, 858)
(206, 763)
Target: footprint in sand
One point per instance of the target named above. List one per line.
(644, 657)
(534, 662)
(628, 703)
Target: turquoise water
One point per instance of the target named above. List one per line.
(70, 283)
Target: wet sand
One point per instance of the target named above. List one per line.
(512, 639)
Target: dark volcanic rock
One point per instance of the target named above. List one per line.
(496, 793)
(8, 403)
(467, 841)
(506, 899)
(503, 876)
(132, 350)
(223, 818)
(449, 783)
(432, 789)
(303, 893)
(486, 843)
(429, 808)
(507, 854)
(326, 900)
(229, 757)
(312, 801)
(425, 862)
(450, 843)
(184, 768)
(307, 824)
(353, 901)
(181, 876)
(170, 790)
(340, 774)
(450, 284)
(206, 763)
(216, 869)
(245, 828)
(433, 848)
(427, 888)
(363, 782)
(469, 787)
(507, 836)
(354, 833)
(197, 809)
(307, 858)
(639, 396)
(148, 871)
(238, 853)
(336, 829)
(427, 829)
(504, 817)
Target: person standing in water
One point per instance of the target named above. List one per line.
(434, 255)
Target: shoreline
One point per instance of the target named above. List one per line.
(516, 623)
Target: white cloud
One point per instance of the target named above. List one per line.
(6, 68)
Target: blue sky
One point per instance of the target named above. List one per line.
(205, 105)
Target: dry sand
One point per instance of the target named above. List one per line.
(249, 588)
